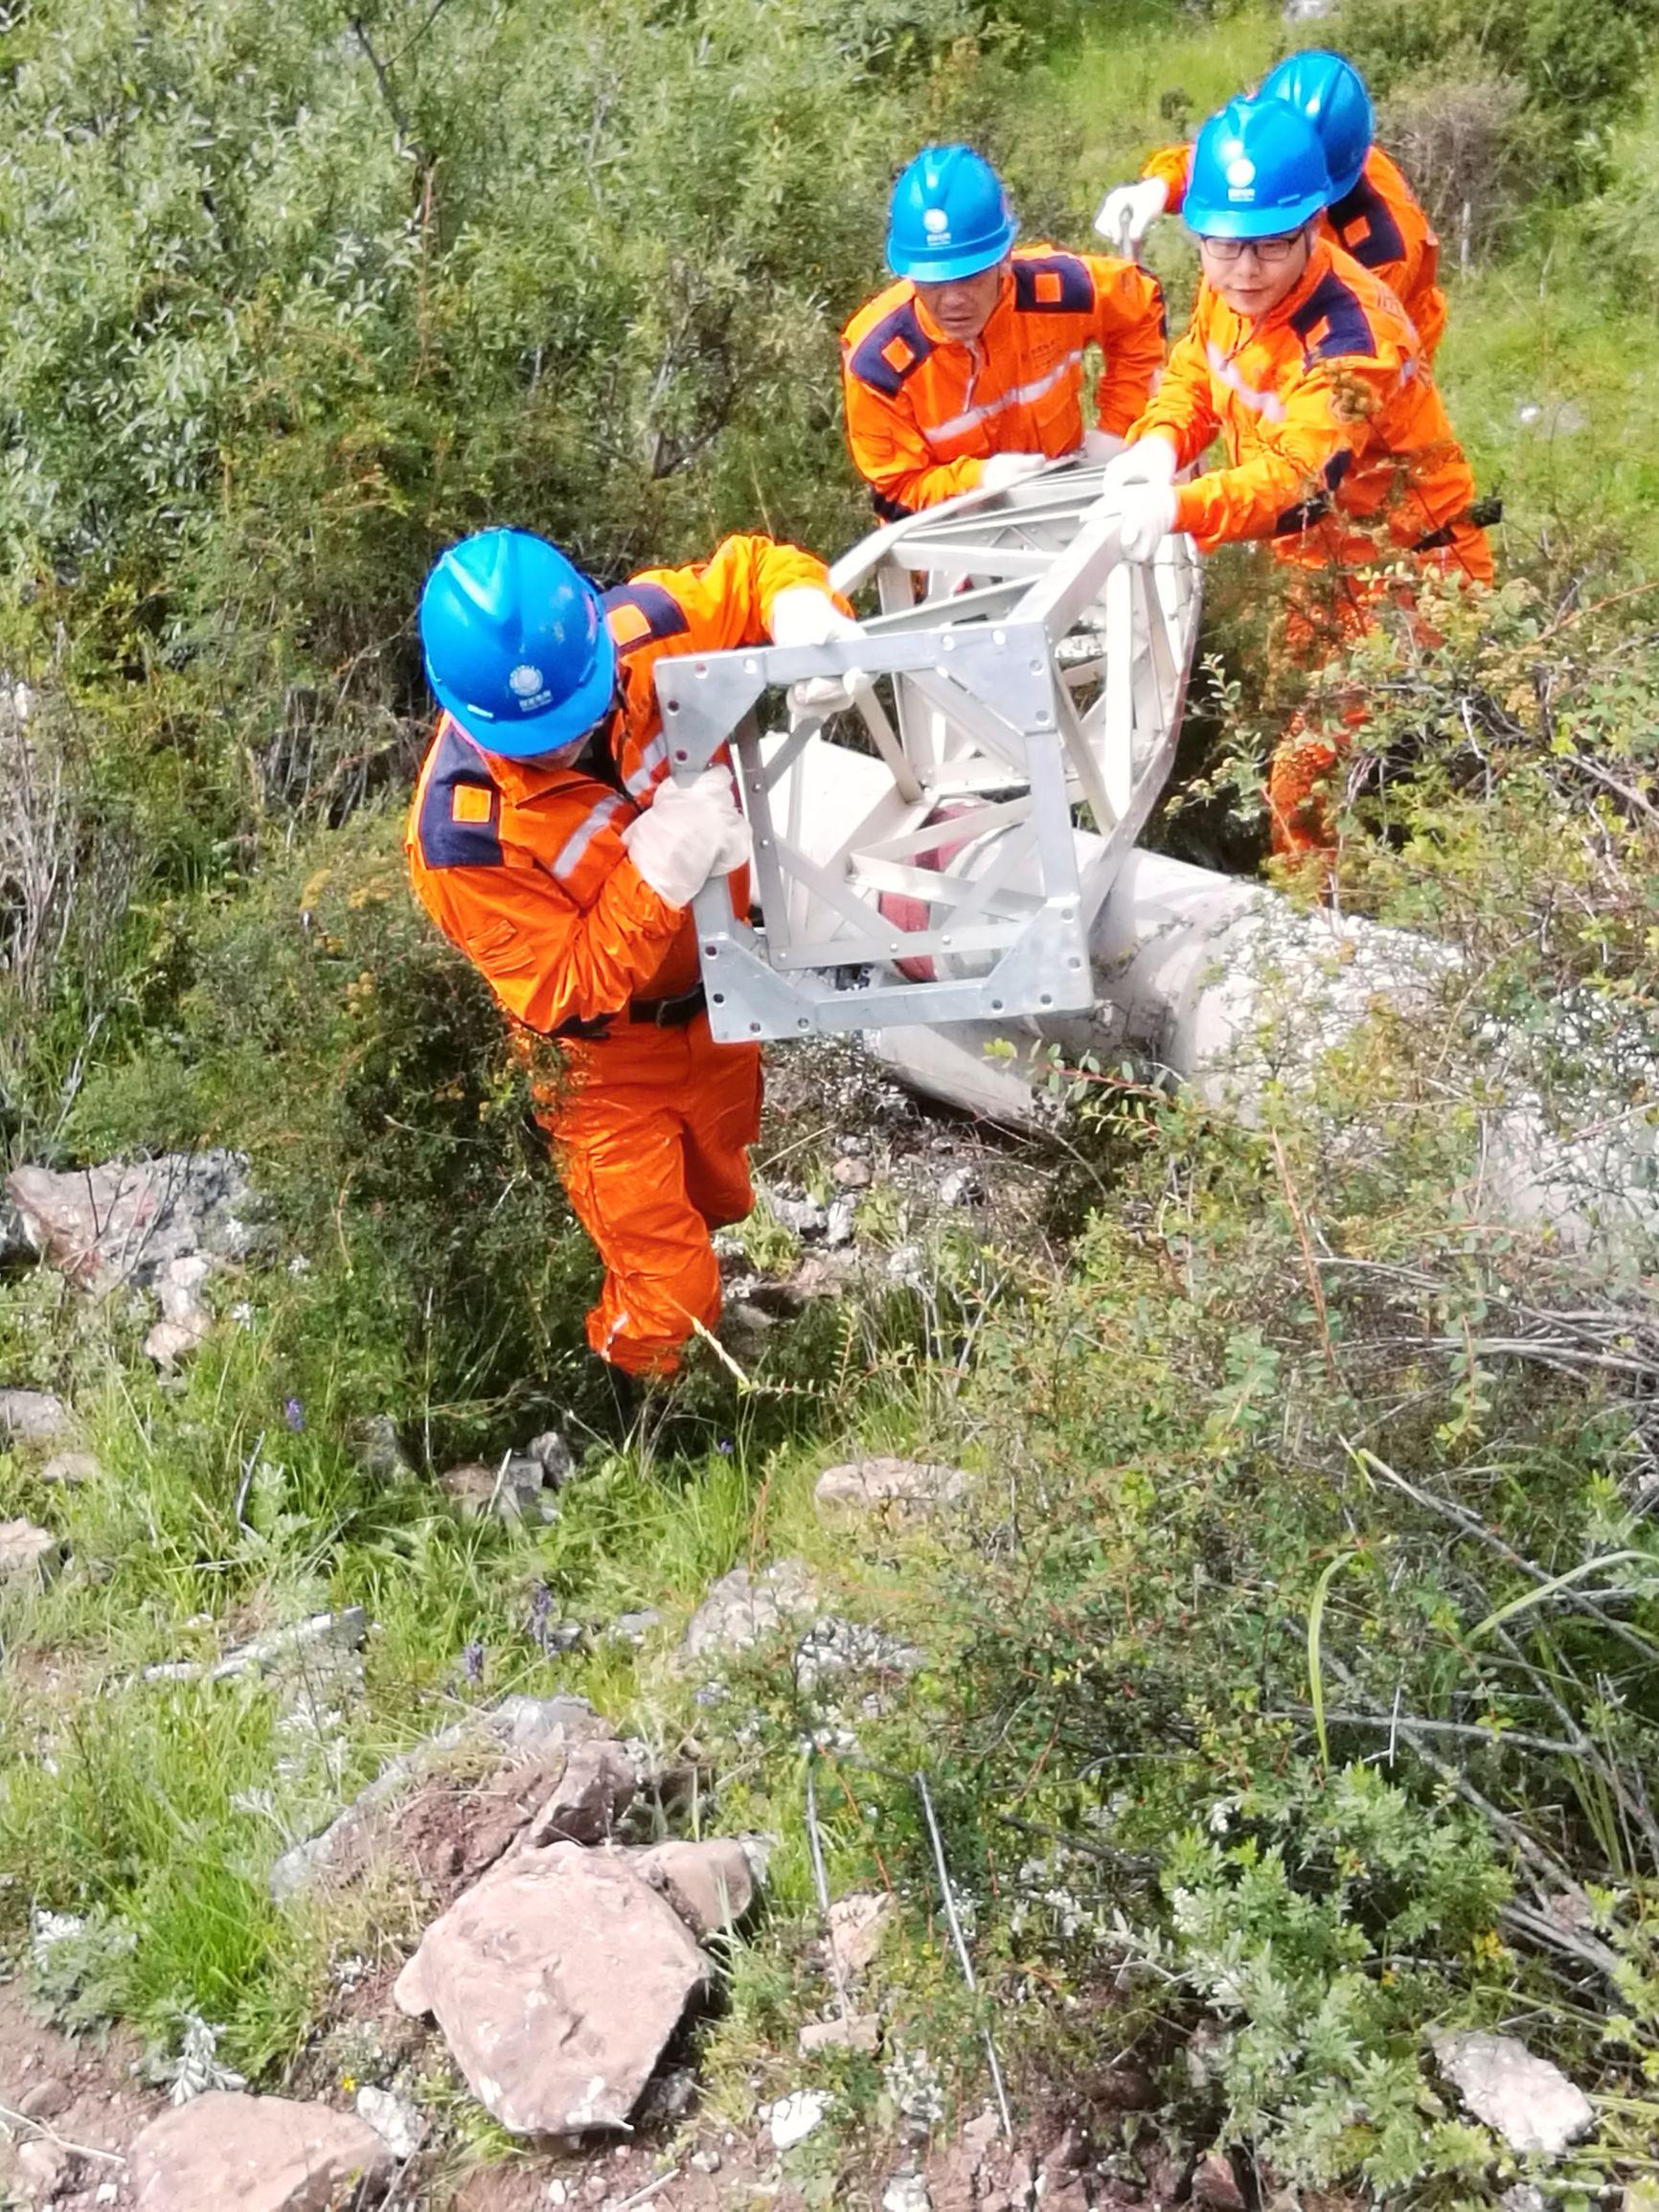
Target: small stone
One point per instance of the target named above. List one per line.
(43, 2167)
(805, 1217)
(906, 2193)
(168, 1342)
(635, 1628)
(1216, 2185)
(704, 2162)
(857, 1926)
(838, 1222)
(794, 2117)
(27, 1551)
(378, 1449)
(510, 1490)
(851, 1175)
(979, 2135)
(557, 2192)
(46, 2099)
(743, 1610)
(37, 1415)
(324, 1640)
(399, 2124)
(553, 1457)
(668, 2097)
(860, 2032)
(1527, 2196)
(962, 1187)
(1528, 2101)
(594, 1790)
(70, 1468)
(106, 2193)
(892, 1489)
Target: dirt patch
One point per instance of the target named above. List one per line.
(57, 2094)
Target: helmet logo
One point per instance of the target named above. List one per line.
(937, 223)
(1241, 177)
(525, 681)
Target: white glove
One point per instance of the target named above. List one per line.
(1146, 517)
(1004, 469)
(803, 615)
(737, 848)
(1101, 445)
(1150, 460)
(1128, 211)
(676, 844)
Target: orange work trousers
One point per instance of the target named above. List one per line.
(650, 1131)
(1328, 609)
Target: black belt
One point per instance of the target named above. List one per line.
(654, 1013)
(1483, 515)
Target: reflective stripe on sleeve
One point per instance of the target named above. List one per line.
(574, 849)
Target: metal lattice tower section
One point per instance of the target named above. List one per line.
(915, 859)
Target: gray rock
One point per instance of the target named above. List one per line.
(512, 1490)
(15, 1249)
(851, 1175)
(906, 2193)
(324, 1640)
(257, 2153)
(44, 2170)
(557, 1460)
(805, 1217)
(838, 1222)
(32, 1416)
(899, 1490)
(28, 1553)
(743, 1610)
(399, 2124)
(837, 1646)
(125, 1221)
(557, 1979)
(635, 1628)
(1526, 2100)
(378, 1449)
(791, 2119)
(962, 1187)
(70, 1468)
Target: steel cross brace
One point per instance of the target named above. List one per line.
(930, 871)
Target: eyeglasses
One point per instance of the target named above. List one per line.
(1269, 252)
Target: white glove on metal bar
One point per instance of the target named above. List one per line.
(1101, 445)
(1146, 517)
(678, 843)
(1004, 469)
(803, 615)
(1150, 460)
(1128, 211)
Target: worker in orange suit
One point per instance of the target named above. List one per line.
(1373, 213)
(548, 842)
(970, 370)
(1338, 448)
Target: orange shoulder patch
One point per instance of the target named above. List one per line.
(470, 803)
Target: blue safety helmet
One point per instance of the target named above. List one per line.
(950, 217)
(1257, 172)
(516, 645)
(1331, 94)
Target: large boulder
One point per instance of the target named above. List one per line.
(556, 1980)
(257, 2153)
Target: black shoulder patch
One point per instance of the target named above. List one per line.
(891, 351)
(1331, 322)
(648, 613)
(1051, 284)
(1317, 506)
(1366, 226)
(461, 814)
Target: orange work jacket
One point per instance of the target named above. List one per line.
(1338, 447)
(523, 866)
(1379, 222)
(924, 412)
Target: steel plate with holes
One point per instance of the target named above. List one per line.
(915, 859)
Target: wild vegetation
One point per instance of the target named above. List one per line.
(1289, 1684)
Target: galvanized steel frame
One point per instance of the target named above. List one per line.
(1026, 607)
